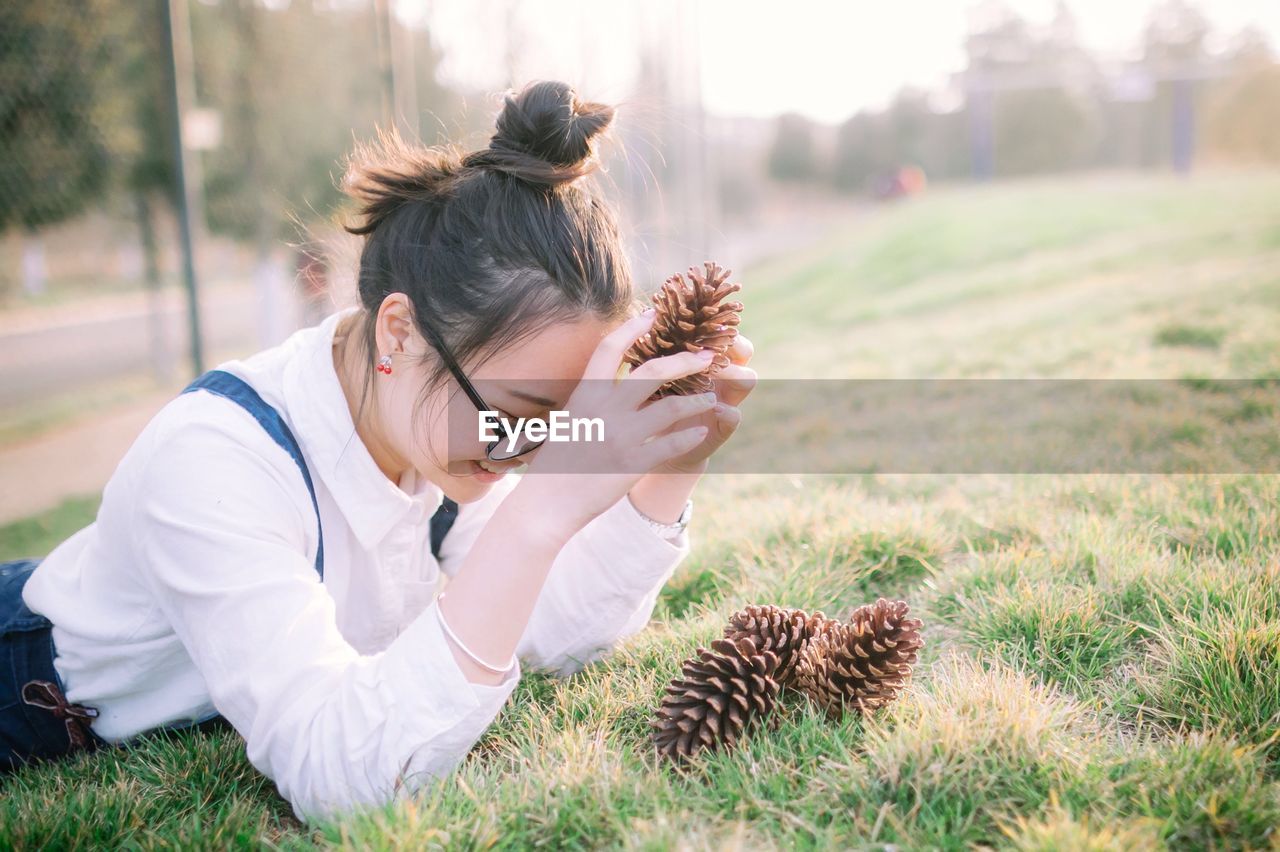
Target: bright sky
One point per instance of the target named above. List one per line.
(824, 59)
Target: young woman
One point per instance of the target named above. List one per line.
(269, 550)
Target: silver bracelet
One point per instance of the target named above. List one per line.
(454, 636)
(670, 529)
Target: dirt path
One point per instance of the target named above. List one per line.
(40, 473)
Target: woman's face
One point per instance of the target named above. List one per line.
(529, 378)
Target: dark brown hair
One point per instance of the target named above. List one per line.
(493, 245)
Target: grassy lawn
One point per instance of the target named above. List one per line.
(1102, 667)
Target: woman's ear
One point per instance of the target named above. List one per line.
(395, 330)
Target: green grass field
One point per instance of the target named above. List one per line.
(1102, 667)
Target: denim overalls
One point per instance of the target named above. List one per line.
(36, 721)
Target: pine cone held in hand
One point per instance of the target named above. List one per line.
(862, 663)
(692, 315)
(785, 632)
(723, 693)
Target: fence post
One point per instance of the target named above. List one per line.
(1184, 124)
(178, 60)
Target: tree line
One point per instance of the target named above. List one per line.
(1032, 100)
(86, 114)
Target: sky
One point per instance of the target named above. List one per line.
(825, 59)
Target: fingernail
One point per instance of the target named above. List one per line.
(707, 354)
(709, 396)
(650, 312)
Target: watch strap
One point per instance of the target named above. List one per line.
(673, 529)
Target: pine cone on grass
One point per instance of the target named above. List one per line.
(783, 631)
(722, 694)
(692, 315)
(862, 663)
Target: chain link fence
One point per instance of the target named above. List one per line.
(272, 96)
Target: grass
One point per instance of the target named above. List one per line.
(36, 536)
(1102, 667)
(1190, 335)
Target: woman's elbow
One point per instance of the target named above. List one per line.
(327, 776)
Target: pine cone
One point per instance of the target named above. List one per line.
(785, 632)
(862, 663)
(722, 694)
(691, 316)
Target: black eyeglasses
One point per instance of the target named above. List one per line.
(501, 449)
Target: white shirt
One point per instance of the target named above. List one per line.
(195, 592)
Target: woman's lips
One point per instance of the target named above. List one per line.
(483, 475)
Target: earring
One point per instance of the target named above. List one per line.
(384, 364)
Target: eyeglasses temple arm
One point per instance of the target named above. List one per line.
(463, 381)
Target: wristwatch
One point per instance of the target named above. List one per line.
(671, 530)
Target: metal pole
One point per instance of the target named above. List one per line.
(705, 185)
(404, 81)
(982, 131)
(1184, 128)
(382, 32)
(178, 56)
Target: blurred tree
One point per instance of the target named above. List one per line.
(1173, 52)
(296, 85)
(1043, 130)
(134, 96)
(1243, 120)
(793, 156)
(910, 132)
(1249, 50)
(1061, 52)
(909, 120)
(134, 91)
(738, 192)
(997, 40)
(863, 149)
(945, 150)
(1174, 35)
(55, 158)
(1031, 97)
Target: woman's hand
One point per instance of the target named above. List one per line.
(733, 383)
(555, 476)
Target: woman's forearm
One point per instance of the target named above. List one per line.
(662, 496)
(491, 598)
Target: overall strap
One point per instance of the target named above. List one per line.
(440, 523)
(225, 384)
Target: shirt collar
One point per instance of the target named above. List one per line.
(372, 504)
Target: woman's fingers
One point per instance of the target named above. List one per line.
(648, 439)
(734, 382)
(662, 414)
(641, 382)
(728, 418)
(607, 358)
(666, 447)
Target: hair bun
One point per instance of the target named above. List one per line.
(545, 135)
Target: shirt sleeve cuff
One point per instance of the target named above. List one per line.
(632, 555)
